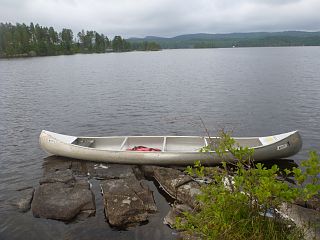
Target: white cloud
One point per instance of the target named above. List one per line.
(165, 17)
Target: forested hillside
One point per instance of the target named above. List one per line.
(255, 39)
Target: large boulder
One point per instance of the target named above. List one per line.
(127, 201)
(63, 201)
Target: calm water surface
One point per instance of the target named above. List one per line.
(253, 91)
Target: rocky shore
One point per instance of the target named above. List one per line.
(64, 193)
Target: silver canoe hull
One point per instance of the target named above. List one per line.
(175, 150)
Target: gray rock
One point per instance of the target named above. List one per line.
(137, 172)
(105, 171)
(177, 184)
(171, 179)
(307, 219)
(148, 170)
(313, 203)
(175, 211)
(187, 193)
(170, 219)
(127, 201)
(55, 163)
(23, 202)
(81, 168)
(91, 169)
(63, 176)
(188, 236)
(62, 201)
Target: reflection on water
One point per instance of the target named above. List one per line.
(281, 163)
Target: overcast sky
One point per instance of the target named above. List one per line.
(138, 18)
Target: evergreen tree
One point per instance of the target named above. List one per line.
(66, 37)
(120, 45)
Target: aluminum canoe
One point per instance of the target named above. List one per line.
(175, 150)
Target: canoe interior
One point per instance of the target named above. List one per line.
(165, 144)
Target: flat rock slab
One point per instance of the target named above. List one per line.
(177, 184)
(171, 179)
(63, 201)
(127, 201)
(90, 169)
(55, 163)
(111, 171)
(63, 176)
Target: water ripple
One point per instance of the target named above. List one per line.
(254, 91)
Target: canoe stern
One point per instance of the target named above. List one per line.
(283, 148)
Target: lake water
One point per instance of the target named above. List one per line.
(252, 91)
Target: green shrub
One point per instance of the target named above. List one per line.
(237, 204)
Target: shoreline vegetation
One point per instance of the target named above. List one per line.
(21, 40)
(248, 200)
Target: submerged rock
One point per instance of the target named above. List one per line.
(23, 201)
(127, 201)
(62, 201)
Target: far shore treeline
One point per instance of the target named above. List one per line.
(231, 40)
(21, 40)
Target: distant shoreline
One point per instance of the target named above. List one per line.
(254, 39)
(21, 56)
(24, 41)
